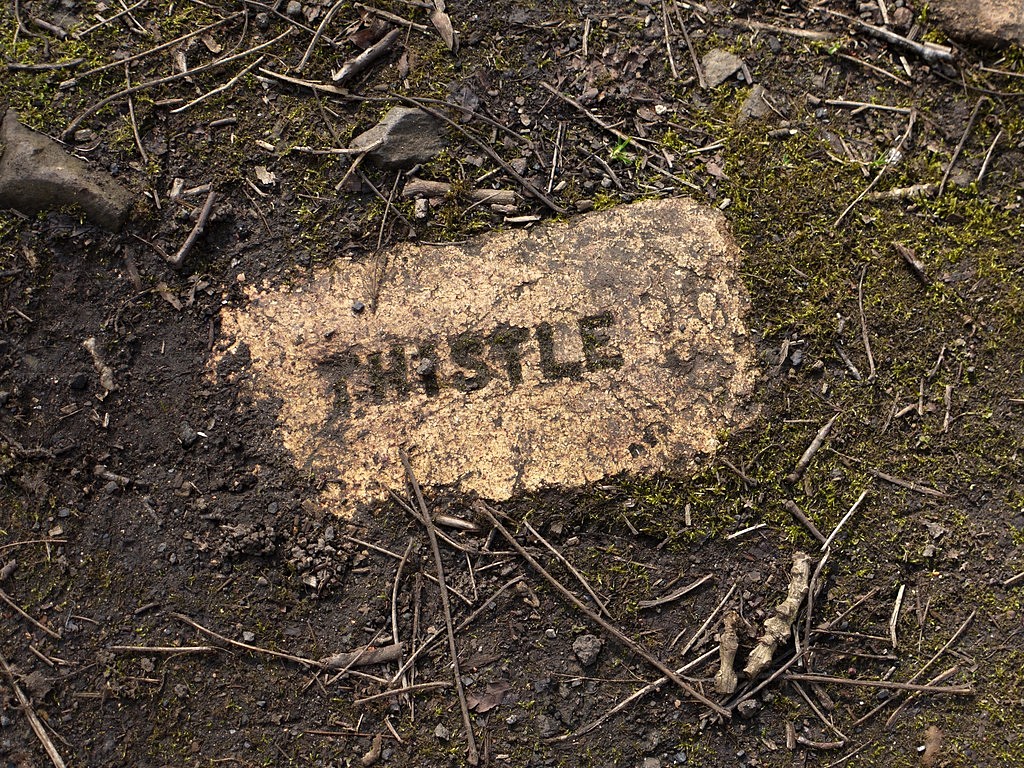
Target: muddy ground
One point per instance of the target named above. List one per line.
(130, 517)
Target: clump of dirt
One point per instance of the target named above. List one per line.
(172, 579)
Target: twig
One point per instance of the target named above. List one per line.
(406, 689)
(179, 258)
(805, 34)
(963, 141)
(930, 52)
(808, 455)
(728, 644)
(668, 41)
(701, 80)
(894, 619)
(887, 162)
(793, 509)
(79, 34)
(835, 531)
(814, 708)
(955, 690)
(592, 117)
(675, 595)
(920, 673)
(597, 619)
(988, 155)
(778, 627)
(354, 67)
(864, 325)
(873, 68)
(910, 485)
(633, 697)
(33, 718)
(707, 623)
(488, 150)
(392, 17)
(312, 85)
(394, 601)
(318, 34)
(253, 648)
(364, 657)
(939, 678)
(472, 757)
(462, 625)
(73, 125)
(15, 67)
(862, 105)
(569, 566)
(165, 649)
(151, 51)
(7, 599)
(220, 88)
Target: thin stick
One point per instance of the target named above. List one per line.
(920, 673)
(675, 595)
(79, 34)
(15, 67)
(596, 618)
(894, 619)
(472, 757)
(527, 185)
(701, 81)
(864, 324)
(808, 455)
(165, 648)
(151, 51)
(793, 509)
(963, 141)
(873, 68)
(861, 105)
(220, 88)
(7, 599)
(847, 516)
(910, 485)
(592, 117)
(707, 623)
(33, 718)
(668, 41)
(954, 690)
(391, 17)
(179, 258)
(939, 678)
(814, 708)
(394, 599)
(318, 34)
(406, 689)
(930, 52)
(73, 125)
(579, 576)
(462, 625)
(354, 67)
(988, 155)
(253, 648)
(805, 34)
(633, 697)
(881, 171)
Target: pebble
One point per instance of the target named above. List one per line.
(442, 733)
(293, 9)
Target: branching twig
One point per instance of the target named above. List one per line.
(253, 648)
(597, 619)
(579, 576)
(472, 757)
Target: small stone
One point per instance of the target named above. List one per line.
(404, 138)
(442, 733)
(294, 9)
(650, 762)
(748, 708)
(587, 648)
(754, 106)
(187, 436)
(719, 65)
(248, 637)
(425, 368)
(902, 19)
(550, 633)
(358, 306)
(85, 136)
(263, 21)
(79, 382)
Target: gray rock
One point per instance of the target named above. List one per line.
(587, 648)
(650, 762)
(754, 106)
(748, 708)
(984, 22)
(719, 65)
(36, 174)
(293, 9)
(405, 137)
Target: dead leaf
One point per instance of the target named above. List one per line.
(489, 699)
(168, 296)
(265, 177)
(211, 45)
(715, 169)
(443, 24)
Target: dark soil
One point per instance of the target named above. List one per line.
(172, 498)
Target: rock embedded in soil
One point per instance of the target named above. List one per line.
(404, 138)
(36, 174)
(719, 65)
(587, 648)
(517, 361)
(984, 22)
